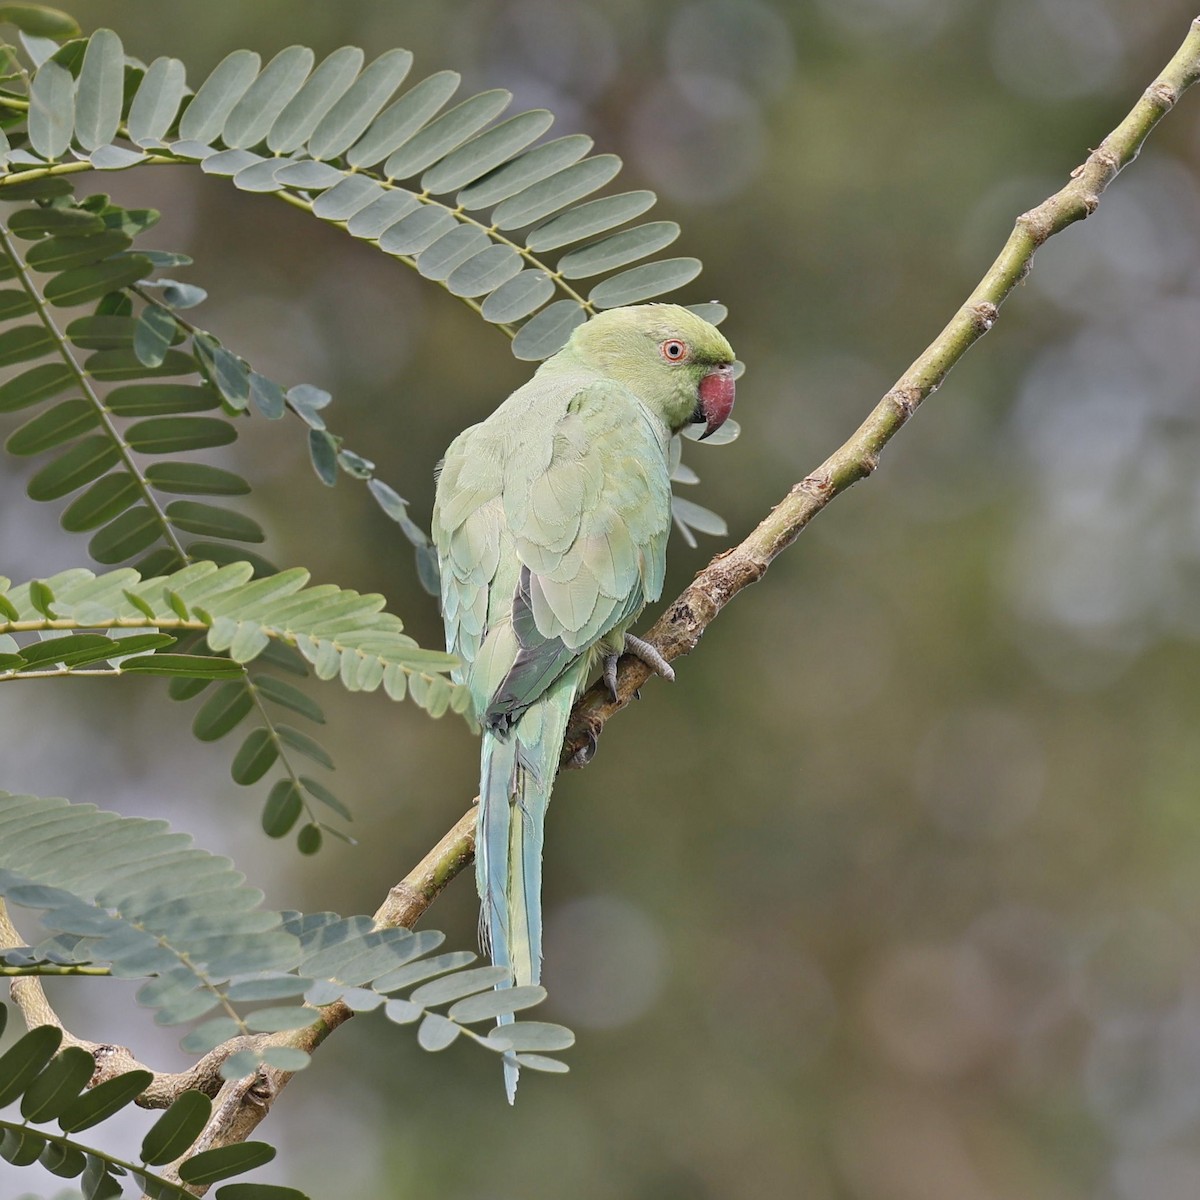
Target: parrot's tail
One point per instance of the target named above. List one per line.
(517, 770)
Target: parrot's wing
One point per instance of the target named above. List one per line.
(589, 527)
(551, 532)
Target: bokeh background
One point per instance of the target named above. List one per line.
(896, 895)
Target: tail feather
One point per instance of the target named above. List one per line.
(498, 765)
(517, 770)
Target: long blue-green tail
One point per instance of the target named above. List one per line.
(517, 770)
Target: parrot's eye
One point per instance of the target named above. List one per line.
(673, 350)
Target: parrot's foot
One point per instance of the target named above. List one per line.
(641, 650)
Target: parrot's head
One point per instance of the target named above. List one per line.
(676, 362)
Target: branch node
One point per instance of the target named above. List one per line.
(1162, 94)
(261, 1091)
(905, 401)
(1036, 222)
(817, 486)
(984, 315)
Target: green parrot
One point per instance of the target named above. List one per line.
(550, 521)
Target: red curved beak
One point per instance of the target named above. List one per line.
(716, 398)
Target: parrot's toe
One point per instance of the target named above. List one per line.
(650, 656)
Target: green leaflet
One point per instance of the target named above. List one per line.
(170, 435)
(257, 111)
(283, 809)
(556, 192)
(40, 20)
(127, 535)
(62, 423)
(23, 343)
(440, 259)
(446, 133)
(100, 90)
(61, 253)
(641, 283)
(103, 1101)
(88, 459)
(216, 97)
(80, 285)
(21, 1064)
(51, 110)
(327, 84)
(176, 1129)
(35, 385)
(14, 303)
(548, 330)
(61, 1083)
(518, 297)
(210, 1166)
(63, 222)
(588, 219)
(486, 152)
(153, 335)
(525, 171)
(403, 119)
(157, 101)
(157, 399)
(353, 112)
(227, 707)
(618, 249)
(210, 521)
(195, 479)
(484, 272)
(109, 496)
(415, 232)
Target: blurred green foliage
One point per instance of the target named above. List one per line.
(895, 893)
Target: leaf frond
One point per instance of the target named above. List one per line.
(130, 897)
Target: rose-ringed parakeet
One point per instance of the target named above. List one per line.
(551, 522)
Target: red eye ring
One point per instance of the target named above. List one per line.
(674, 350)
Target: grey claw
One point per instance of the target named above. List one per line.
(610, 674)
